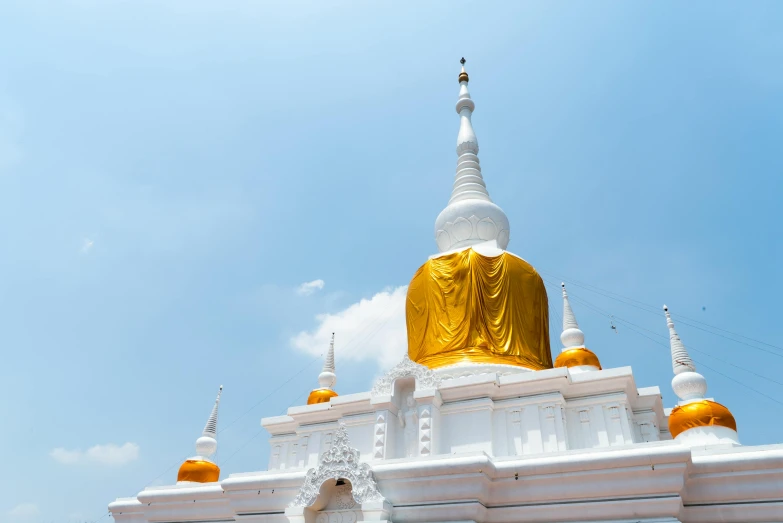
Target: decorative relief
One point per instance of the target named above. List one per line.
(584, 416)
(303, 447)
(327, 442)
(340, 461)
(337, 516)
(549, 410)
(342, 497)
(275, 461)
(409, 422)
(425, 378)
(425, 432)
(614, 412)
(473, 228)
(468, 146)
(379, 445)
(476, 369)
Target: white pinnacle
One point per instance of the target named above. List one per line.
(206, 445)
(470, 216)
(572, 336)
(328, 378)
(688, 384)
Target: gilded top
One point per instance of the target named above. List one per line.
(702, 413)
(466, 307)
(463, 76)
(198, 471)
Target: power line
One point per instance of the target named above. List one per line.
(352, 342)
(655, 310)
(632, 326)
(586, 303)
(286, 382)
(246, 443)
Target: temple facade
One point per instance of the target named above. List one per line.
(479, 423)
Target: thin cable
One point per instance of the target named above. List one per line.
(654, 310)
(353, 341)
(246, 443)
(702, 364)
(347, 348)
(594, 307)
(682, 322)
(631, 326)
(100, 518)
(628, 323)
(286, 382)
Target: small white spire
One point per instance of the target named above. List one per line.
(210, 429)
(681, 360)
(328, 378)
(206, 445)
(470, 216)
(688, 384)
(572, 336)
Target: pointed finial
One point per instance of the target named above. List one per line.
(463, 76)
(681, 360)
(206, 445)
(572, 336)
(470, 201)
(328, 378)
(329, 361)
(687, 384)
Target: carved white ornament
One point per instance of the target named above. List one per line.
(339, 461)
(379, 447)
(425, 378)
(466, 231)
(425, 432)
(337, 516)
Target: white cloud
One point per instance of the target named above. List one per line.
(371, 329)
(308, 288)
(87, 245)
(24, 513)
(66, 457)
(109, 454)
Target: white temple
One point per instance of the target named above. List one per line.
(478, 424)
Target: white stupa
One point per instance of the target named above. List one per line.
(478, 424)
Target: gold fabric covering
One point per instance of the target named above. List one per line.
(198, 471)
(577, 357)
(704, 413)
(473, 308)
(320, 396)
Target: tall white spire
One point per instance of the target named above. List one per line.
(328, 378)
(687, 384)
(470, 216)
(572, 336)
(206, 445)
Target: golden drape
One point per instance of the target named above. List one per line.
(469, 307)
(199, 471)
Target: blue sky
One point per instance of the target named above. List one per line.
(172, 171)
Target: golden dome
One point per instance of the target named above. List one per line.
(703, 413)
(467, 307)
(577, 357)
(320, 396)
(198, 471)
